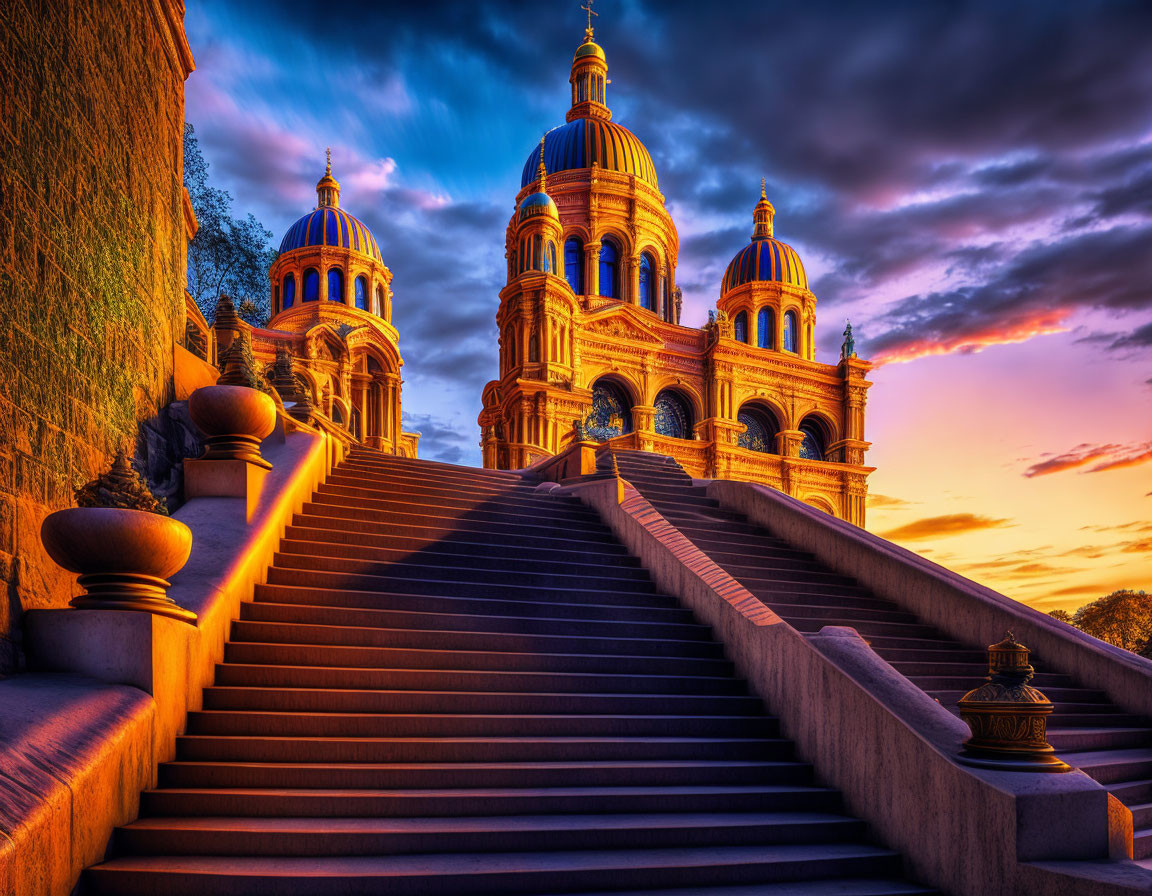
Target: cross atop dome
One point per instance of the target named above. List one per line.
(328, 188)
(589, 76)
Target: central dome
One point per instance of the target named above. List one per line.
(331, 227)
(583, 141)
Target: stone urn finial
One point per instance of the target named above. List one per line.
(235, 415)
(1008, 718)
(121, 543)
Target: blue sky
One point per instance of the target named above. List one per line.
(970, 182)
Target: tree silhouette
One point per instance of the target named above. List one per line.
(1123, 618)
(227, 255)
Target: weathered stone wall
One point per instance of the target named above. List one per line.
(92, 258)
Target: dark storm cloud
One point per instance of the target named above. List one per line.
(1033, 293)
(956, 174)
(439, 438)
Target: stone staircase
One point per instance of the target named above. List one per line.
(1087, 730)
(454, 684)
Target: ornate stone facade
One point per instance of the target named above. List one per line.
(332, 312)
(590, 334)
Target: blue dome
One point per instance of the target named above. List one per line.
(331, 226)
(583, 141)
(765, 259)
(538, 204)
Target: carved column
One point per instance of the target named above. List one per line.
(592, 268)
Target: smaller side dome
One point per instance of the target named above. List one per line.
(539, 203)
(765, 258)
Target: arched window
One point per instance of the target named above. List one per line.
(673, 416)
(762, 427)
(766, 328)
(647, 286)
(379, 309)
(574, 264)
(609, 269)
(611, 412)
(362, 293)
(550, 257)
(335, 285)
(289, 291)
(789, 331)
(740, 327)
(534, 349)
(311, 285)
(813, 445)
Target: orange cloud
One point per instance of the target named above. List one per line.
(875, 500)
(1138, 457)
(1111, 457)
(971, 342)
(949, 524)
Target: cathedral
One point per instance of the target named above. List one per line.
(331, 326)
(591, 344)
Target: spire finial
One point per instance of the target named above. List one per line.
(763, 191)
(588, 8)
(328, 161)
(542, 170)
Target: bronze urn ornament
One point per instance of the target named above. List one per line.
(1008, 717)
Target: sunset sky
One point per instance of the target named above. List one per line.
(970, 183)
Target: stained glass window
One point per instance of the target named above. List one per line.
(311, 285)
(766, 328)
(289, 291)
(610, 415)
(647, 287)
(760, 434)
(673, 419)
(740, 327)
(362, 293)
(574, 264)
(609, 270)
(812, 448)
(789, 331)
(335, 285)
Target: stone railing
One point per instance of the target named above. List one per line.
(890, 748)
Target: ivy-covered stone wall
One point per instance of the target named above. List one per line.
(92, 259)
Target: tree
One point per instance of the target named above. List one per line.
(1123, 618)
(227, 255)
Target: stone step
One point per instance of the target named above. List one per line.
(1077, 740)
(191, 775)
(487, 873)
(265, 699)
(475, 749)
(1113, 766)
(229, 674)
(639, 608)
(505, 660)
(417, 568)
(376, 724)
(358, 617)
(403, 501)
(593, 550)
(442, 639)
(492, 557)
(489, 520)
(450, 583)
(433, 492)
(433, 529)
(527, 833)
(458, 802)
(433, 470)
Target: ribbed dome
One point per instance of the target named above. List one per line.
(538, 204)
(765, 259)
(583, 141)
(330, 226)
(589, 48)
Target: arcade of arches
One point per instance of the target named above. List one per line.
(590, 333)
